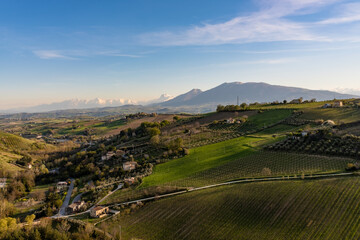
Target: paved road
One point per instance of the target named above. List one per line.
(77, 198)
(62, 210)
(221, 184)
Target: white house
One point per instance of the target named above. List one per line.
(61, 186)
(128, 166)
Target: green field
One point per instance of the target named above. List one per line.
(5, 158)
(304, 209)
(251, 166)
(12, 146)
(280, 164)
(204, 158)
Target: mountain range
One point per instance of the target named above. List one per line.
(228, 93)
(196, 100)
(86, 104)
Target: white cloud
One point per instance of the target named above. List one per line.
(261, 61)
(76, 54)
(267, 25)
(50, 54)
(353, 91)
(117, 54)
(348, 13)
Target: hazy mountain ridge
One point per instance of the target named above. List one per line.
(85, 104)
(227, 93)
(194, 101)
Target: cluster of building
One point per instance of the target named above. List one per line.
(127, 166)
(110, 154)
(231, 121)
(336, 104)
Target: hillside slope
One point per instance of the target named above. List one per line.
(322, 209)
(12, 147)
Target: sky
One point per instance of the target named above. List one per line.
(139, 49)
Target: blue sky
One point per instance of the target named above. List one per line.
(56, 50)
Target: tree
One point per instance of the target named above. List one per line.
(243, 106)
(176, 118)
(3, 225)
(58, 203)
(220, 108)
(155, 140)
(29, 219)
(63, 226)
(153, 131)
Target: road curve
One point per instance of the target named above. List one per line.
(249, 180)
(66, 202)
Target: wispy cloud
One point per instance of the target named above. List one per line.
(117, 54)
(353, 91)
(51, 54)
(347, 13)
(266, 25)
(260, 61)
(78, 54)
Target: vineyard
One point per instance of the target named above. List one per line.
(256, 165)
(338, 115)
(204, 158)
(219, 131)
(335, 146)
(265, 164)
(13, 142)
(304, 209)
(12, 147)
(256, 122)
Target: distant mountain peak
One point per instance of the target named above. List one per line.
(229, 92)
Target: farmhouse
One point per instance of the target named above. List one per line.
(75, 207)
(230, 120)
(61, 186)
(108, 155)
(3, 183)
(99, 212)
(129, 181)
(304, 133)
(327, 105)
(338, 104)
(128, 166)
(296, 101)
(120, 153)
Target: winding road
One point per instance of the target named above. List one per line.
(249, 180)
(66, 202)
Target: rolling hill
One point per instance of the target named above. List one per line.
(12, 147)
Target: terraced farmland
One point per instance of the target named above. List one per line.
(256, 122)
(304, 209)
(264, 164)
(238, 158)
(338, 115)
